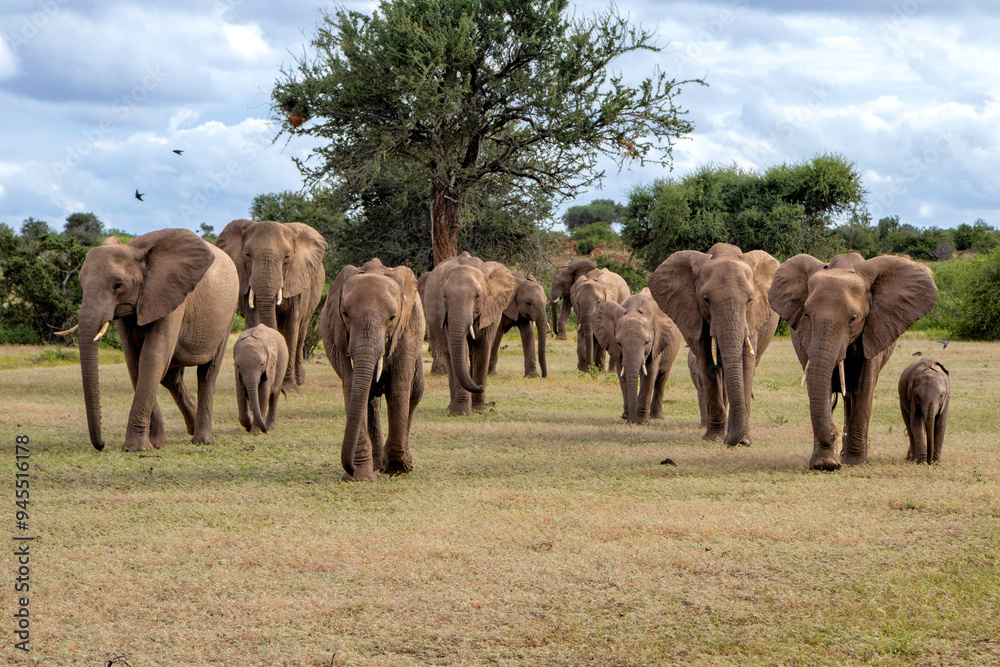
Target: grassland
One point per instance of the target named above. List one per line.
(543, 532)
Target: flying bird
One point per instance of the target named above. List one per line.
(138, 195)
(944, 344)
(178, 151)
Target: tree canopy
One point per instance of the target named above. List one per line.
(599, 210)
(786, 210)
(471, 90)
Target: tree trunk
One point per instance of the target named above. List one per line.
(446, 220)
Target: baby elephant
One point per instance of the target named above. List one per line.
(261, 357)
(924, 389)
(644, 342)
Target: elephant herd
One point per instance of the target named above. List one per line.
(174, 297)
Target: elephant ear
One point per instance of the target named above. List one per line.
(512, 311)
(230, 241)
(500, 286)
(665, 330)
(902, 292)
(335, 335)
(764, 266)
(410, 306)
(603, 322)
(308, 248)
(790, 287)
(175, 261)
(941, 366)
(673, 287)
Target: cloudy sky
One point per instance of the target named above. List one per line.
(94, 96)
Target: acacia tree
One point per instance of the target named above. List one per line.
(474, 89)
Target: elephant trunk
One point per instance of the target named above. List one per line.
(251, 382)
(732, 342)
(822, 363)
(91, 380)
(265, 283)
(632, 362)
(367, 347)
(458, 350)
(555, 313)
(541, 323)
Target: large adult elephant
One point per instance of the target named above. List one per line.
(845, 317)
(373, 333)
(465, 298)
(280, 265)
(721, 296)
(173, 297)
(526, 309)
(588, 292)
(646, 342)
(562, 282)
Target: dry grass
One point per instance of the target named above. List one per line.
(544, 532)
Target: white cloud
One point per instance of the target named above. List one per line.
(247, 42)
(8, 60)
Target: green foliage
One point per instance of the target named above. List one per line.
(18, 334)
(390, 220)
(785, 210)
(971, 308)
(469, 90)
(593, 235)
(85, 228)
(39, 288)
(978, 236)
(599, 210)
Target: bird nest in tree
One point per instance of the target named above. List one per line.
(295, 115)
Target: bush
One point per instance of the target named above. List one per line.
(633, 275)
(19, 334)
(592, 236)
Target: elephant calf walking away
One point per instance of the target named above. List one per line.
(260, 358)
(924, 392)
(373, 332)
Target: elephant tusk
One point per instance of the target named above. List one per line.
(251, 298)
(101, 332)
(843, 385)
(472, 332)
(621, 371)
(804, 372)
(279, 297)
(645, 370)
(378, 370)
(68, 331)
(750, 347)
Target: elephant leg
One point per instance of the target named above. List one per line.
(861, 380)
(207, 375)
(599, 356)
(174, 383)
(400, 402)
(712, 389)
(527, 347)
(940, 422)
(918, 438)
(439, 354)
(153, 361)
(461, 399)
(623, 385)
(563, 318)
(288, 325)
(479, 361)
(242, 406)
(375, 431)
(659, 388)
(157, 429)
(272, 410)
(495, 348)
(300, 363)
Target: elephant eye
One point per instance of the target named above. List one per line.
(118, 286)
(392, 317)
(705, 299)
(854, 317)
